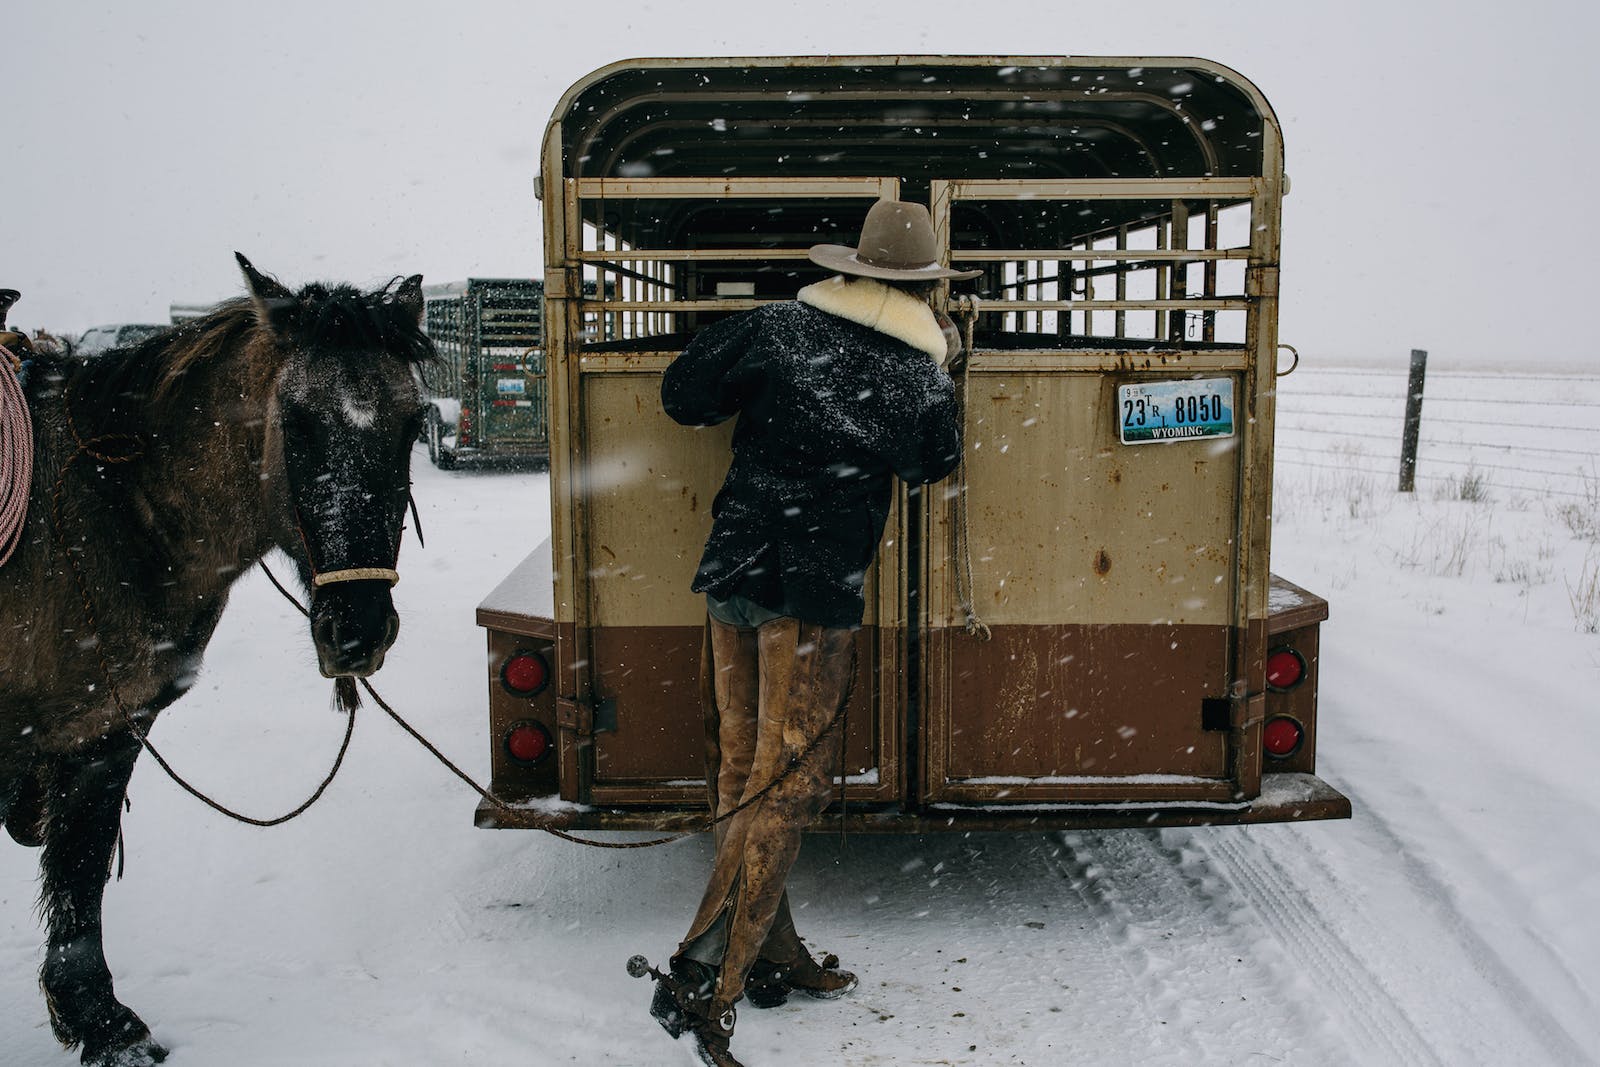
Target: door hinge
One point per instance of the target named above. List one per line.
(585, 718)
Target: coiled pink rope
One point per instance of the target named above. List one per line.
(16, 455)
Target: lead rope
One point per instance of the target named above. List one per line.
(16, 454)
(502, 805)
(968, 311)
(345, 689)
(133, 450)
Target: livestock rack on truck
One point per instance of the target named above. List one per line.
(486, 394)
(1079, 628)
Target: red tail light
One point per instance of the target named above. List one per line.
(1282, 737)
(525, 674)
(1285, 668)
(528, 742)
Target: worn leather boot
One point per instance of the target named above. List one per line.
(785, 965)
(769, 984)
(711, 1044)
(805, 672)
(685, 1002)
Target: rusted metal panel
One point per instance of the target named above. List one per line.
(1051, 703)
(658, 743)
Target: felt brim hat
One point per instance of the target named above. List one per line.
(897, 244)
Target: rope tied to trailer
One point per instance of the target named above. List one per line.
(967, 311)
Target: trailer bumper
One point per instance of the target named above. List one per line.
(1287, 797)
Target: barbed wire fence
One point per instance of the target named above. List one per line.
(1520, 434)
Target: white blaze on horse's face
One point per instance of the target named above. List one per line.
(358, 415)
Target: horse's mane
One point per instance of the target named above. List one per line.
(343, 317)
(126, 389)
(134, 388)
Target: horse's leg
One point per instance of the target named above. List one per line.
(24, 813)
(82, 818)
(16, 772)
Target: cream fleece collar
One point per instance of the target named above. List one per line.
(880, 307)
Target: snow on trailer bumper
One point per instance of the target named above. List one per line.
(538, 740)
(1285, 797)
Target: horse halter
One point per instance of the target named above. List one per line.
(356, 574)
(350, 574)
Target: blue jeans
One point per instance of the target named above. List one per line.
(740, 611)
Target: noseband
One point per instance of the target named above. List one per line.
(350, 574)
(356, 574)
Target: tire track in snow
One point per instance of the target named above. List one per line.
(1402, 918)
(1188, 946)
(1107, 968)
(1546, 1025)
(1366, 1008)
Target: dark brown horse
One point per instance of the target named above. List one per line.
(162, 473)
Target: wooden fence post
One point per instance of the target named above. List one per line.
(1413, 427)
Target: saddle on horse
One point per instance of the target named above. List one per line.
(15, 343)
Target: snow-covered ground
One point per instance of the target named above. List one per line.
(1453, 921)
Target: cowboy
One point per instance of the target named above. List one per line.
(837, 392)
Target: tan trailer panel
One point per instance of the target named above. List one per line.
(1084, 529)
(648, 484)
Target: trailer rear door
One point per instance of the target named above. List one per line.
(640, 486)
(1096, 534)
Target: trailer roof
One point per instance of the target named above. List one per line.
(916, 117)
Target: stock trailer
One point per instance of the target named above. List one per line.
(1081, 626)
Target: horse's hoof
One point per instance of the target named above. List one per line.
(141, 1051)
(144, 1053)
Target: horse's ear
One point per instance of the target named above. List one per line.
(272, 299)
(409, 296)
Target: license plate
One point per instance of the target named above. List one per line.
(1152, 412)
(512, 386)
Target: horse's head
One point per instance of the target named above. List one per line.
(348, 408)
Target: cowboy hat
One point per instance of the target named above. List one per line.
(897, 244)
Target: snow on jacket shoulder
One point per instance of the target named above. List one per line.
(836, 392)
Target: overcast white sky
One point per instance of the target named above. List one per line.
(1443, 155)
